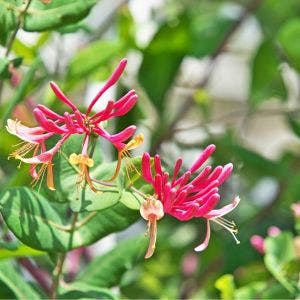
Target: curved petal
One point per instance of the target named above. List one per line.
(204, 244)
(32, 135)
(215, 213)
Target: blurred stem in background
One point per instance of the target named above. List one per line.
(188, 103)
(13, 35)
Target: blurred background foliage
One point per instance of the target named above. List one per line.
(206, 71)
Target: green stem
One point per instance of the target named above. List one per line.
(57, 272)
(13, 36)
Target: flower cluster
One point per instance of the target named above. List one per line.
(193, 194)
(184, 197)
(70, 123)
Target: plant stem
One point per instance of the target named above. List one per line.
(57, 272)
(13, 36)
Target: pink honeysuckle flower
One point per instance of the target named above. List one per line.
(185, 198)
(74, 122)
(296, 209)
(258, 242)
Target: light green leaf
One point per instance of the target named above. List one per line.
(79, 290)
(225, 284)
(279, 251)
(91, 58)
(13, 280)
(20, 251)
(289, 38)
(42, 225)
(108, 269)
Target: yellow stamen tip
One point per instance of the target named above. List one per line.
(74, 159)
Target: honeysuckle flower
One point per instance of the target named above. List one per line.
(258, 242)
(184, 197)
(70, 123)
(296, 209)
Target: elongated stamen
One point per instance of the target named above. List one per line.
(25, 149)
(84, 163)
(40, 175)
(132, 144)
(228, 225)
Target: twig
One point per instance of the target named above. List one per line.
(251, 7)
(57, 272)
(13, 36)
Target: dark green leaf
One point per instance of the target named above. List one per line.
(266, 76)
(208, 30)
(295, 125)
(289, 38)
(40, 225)
(162, 59)
(4, 66)
(15, 282)
(108, 269)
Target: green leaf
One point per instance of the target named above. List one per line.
(108, 269)
(75, 27)
(91, 58)
(18, 251)
(279, 251)
(15, 282)
(262, 290)
(208, 30)
(289, 38)
(225, 284)
(66, 176)
(42, 225)
(295, 125)
(4, 66)
(79, 290)
(162, 59)
(7, 20)
(42, 17)
(273, 13)
(266, 76)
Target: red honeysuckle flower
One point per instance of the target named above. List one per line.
(185, 198)
(75, 122)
